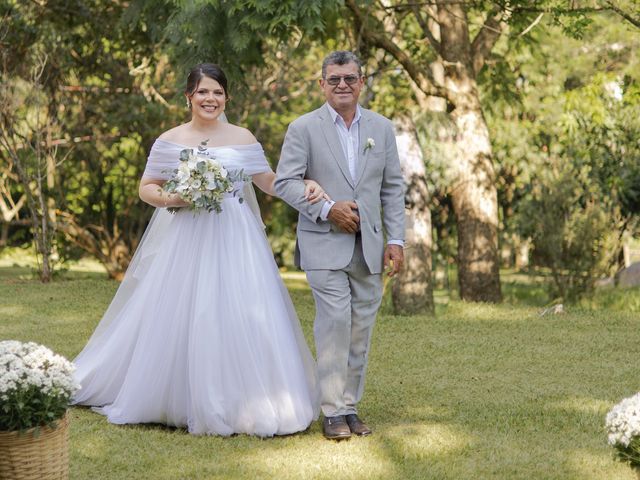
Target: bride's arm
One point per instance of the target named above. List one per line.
(312, 191)
(151, 192)
(264, 181)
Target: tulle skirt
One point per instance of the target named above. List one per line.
(202, 333)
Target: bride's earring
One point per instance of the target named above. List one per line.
(189, 103)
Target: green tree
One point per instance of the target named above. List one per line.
(97, 93)
(563, 134)
(446, 48)
(26, 128)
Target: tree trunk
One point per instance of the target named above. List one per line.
(44, 239)
(39, 216)
(475, 202)
(522, 254)
(412, 290)
(474, 195)
(4, 234)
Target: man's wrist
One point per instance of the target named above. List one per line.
(324, 212)
(399, 243)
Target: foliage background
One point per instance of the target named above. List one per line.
(561, 100)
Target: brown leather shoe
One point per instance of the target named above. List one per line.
(335, 428)
(357, 426)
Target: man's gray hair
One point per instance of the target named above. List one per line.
(341, 57)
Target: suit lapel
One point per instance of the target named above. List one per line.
(363, 152)
(331, 137)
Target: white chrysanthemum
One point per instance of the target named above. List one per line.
(27, 365)
(623, 421)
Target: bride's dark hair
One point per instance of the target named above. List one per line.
(202, 70)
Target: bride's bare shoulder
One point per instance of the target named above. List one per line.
(235, 135)
(174, 134)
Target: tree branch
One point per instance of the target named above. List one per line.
(9, 208)
(531, 25)
(424, 24)
(623, 14)
(487, 37)
(422, 78)
(434, 3)
(534, 9)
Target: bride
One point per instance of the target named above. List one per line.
(202, 332)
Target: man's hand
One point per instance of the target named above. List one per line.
(344, 215)
(393, 258)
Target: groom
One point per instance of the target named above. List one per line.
(352, 153)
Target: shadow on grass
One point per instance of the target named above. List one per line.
(521, 397)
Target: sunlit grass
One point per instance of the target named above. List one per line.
(477, 392)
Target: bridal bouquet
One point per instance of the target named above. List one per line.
(35, 385)
(203, 181)
(623, 427)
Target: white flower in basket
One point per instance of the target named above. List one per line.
(36, 385)
(623, 429)
(35, 388)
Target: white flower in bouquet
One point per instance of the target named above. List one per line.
(623, 429)
(203, 182)
(183, 172)
(35, 385)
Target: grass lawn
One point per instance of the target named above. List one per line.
(478, 392)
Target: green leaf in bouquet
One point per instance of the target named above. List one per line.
(184, 154)
(170, 185)
(202, 148)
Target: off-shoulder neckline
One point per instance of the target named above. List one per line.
(231, 145)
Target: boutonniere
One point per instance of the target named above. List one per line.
(370, 144)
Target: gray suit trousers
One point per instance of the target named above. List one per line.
(347, 301)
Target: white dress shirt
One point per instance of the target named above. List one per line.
(349, 141)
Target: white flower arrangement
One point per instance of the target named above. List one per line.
(203, 181)
(370, 144)
(623, 428)
(35, 385)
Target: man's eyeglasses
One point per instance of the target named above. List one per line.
(348, 79)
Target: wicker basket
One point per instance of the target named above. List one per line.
(44, 456)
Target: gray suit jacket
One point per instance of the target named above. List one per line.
(312, 150)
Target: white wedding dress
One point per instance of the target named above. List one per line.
(202, 332)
